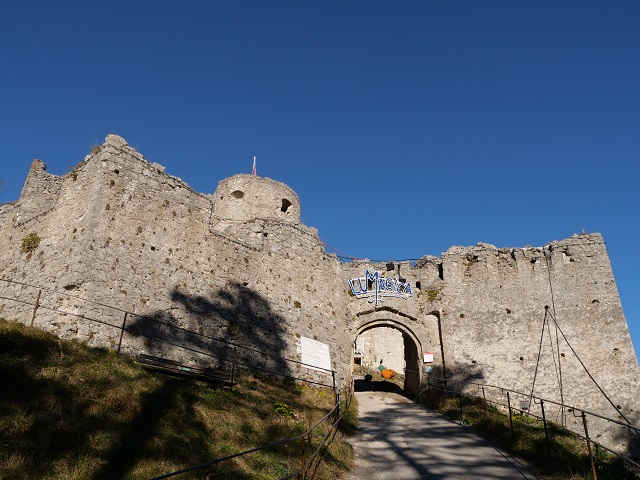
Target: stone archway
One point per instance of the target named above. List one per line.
(412, 346)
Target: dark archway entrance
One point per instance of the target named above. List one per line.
(410, 346)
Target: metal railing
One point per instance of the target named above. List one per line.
(310, 464)
(462, 390)
(39, 293)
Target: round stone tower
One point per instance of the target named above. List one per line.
(247, 198)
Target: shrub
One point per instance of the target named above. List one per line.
(30, 243)
(283, 410)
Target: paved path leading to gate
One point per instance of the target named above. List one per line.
(399, 439)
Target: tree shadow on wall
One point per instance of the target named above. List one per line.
(207, 330)
(190, 331)
(630, 438)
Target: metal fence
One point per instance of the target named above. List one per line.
(32, 300)
(521, 403)
(310, 454)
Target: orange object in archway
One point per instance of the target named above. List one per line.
(388, 373)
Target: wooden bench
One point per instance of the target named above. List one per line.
(207, 374)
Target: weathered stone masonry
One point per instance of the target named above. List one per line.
(239, 265)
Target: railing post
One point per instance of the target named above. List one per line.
(546, 432)
(485, 401)
(303, 472)
(35, 307)
(124, 321)
(338, 399)
(335, 394)
(233, 366)
(586, 435)
(510, 415)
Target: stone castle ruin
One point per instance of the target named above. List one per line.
(123, 242)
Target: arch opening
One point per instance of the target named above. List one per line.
(387, 343)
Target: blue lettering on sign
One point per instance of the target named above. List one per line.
(376, 287)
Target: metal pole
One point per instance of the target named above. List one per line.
(586, 435)
(303, 473)
(233, 366)
(335, 395)
(338, 399)
(122, 331)
(510, 417)
(485, 400)
(35, 308)
(546, 433)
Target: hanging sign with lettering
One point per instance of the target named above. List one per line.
(375, 287)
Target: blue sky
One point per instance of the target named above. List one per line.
(404, 127)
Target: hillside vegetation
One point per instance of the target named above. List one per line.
(74, 412)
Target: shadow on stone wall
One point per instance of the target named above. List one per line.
(461, 376)
(236, 314)
(205, 330)
(631, 439)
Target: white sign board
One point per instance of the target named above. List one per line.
(315, 355)
(428, 357)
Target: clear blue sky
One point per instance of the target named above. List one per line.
(405, 127)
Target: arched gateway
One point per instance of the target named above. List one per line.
(411, 345)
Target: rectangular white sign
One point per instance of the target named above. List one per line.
(315, 355)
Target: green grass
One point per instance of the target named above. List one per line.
(73, 412)
(569, 456)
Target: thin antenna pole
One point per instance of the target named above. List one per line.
(254, 172)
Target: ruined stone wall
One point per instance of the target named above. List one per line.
(125, 234)
(123, 241)
(493, 311)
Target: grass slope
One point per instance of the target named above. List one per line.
(73, 412)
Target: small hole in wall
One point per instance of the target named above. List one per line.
(153, 248)
(508, 310)
(521, 358)
(595, 302)
(285, 205)
(562, 354)
(419, 285)
(237, 194)
(462, 315)
(474, 362)
(116, 171)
